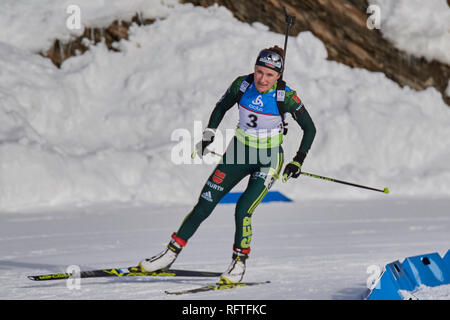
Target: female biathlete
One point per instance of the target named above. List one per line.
(263, 99)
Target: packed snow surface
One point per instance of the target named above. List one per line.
(307, 249)
(432, 293)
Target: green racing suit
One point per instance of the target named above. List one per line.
(254, 151)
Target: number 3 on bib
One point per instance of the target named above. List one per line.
(253, 119)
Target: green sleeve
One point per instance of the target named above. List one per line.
(295, 107)
(225, 103)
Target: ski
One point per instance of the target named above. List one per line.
(216, 287)
(125, 272)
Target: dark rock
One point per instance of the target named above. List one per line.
(116, 31)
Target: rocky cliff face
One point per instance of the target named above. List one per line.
(116, 31)
(341, 25)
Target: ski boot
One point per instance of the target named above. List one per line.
(165, 258)
(236, 270)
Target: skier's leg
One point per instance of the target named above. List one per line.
(231, 169)
(250, 198)
(260, 182)
(220, 182)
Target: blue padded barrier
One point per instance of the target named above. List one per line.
(428, 269)
(447, 259)
(233, 197)
(393, 279)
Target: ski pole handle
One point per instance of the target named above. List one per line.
(385, 190)
(290, 21)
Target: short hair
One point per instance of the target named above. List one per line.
(277, 49)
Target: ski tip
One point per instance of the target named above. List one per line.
(386, 190)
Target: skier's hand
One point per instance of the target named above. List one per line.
(292, 170)
(207, 139)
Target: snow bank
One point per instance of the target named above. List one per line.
(34, 25)
(101, 128)
(418, 28)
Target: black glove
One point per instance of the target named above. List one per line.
(207, 139)
(294, 168)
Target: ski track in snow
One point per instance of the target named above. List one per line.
(308, 250)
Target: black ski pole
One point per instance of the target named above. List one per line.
(385, 190)
(290, 20)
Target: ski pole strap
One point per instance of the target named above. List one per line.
(296, 164)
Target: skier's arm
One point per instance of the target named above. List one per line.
(225, 103)
(222, 106)
(301, 115)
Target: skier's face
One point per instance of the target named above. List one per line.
(265, 78)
